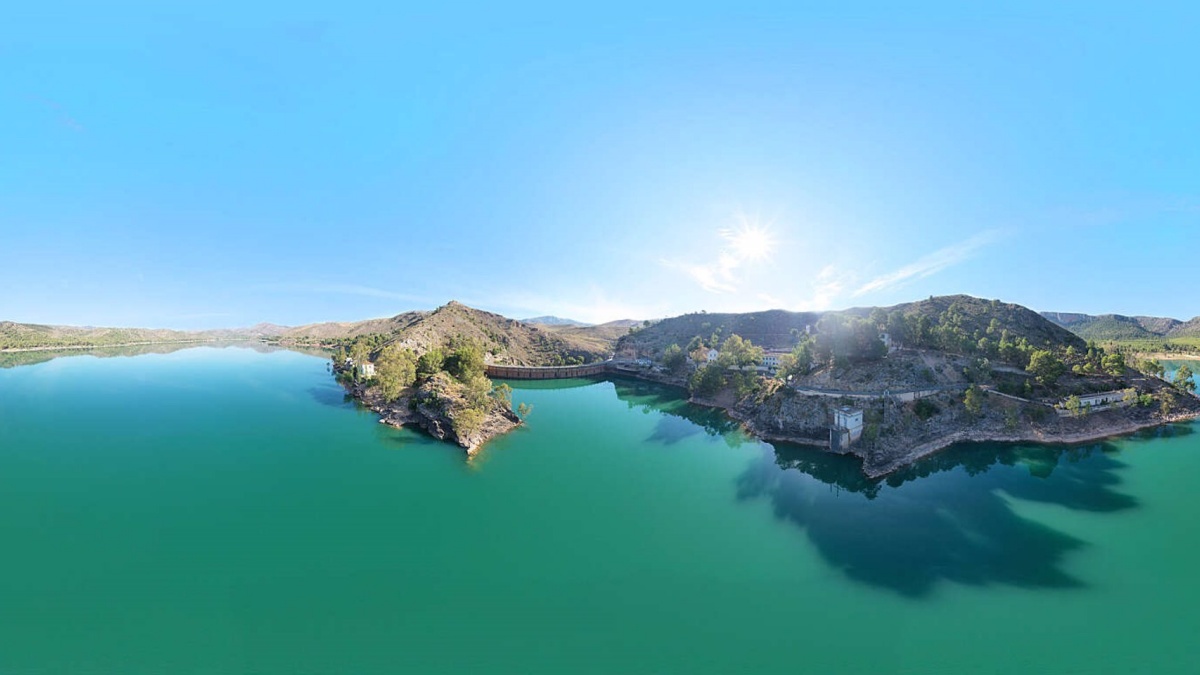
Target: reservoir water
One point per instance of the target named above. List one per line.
(228, 511)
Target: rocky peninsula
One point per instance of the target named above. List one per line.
(439, 407)
(914, 379)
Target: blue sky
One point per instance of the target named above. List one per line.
(288, 163)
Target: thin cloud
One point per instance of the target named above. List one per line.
(593, 306)
(338, 289)
(830, 283)
(61, 113)
(747, 243)
(715, 278)
(930, 264)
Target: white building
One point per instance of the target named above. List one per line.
(366, 370)
(846, 429)
(771, 359)
(711, 356)
(887, 342)
(1104, 398)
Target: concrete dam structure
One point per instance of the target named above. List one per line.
(547, 372)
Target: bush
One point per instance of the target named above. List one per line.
(925, 409)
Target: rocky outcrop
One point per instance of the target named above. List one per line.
(443, 408)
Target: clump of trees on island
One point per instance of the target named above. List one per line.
(452, 378)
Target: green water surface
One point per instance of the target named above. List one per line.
(227, 511)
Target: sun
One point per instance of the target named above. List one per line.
(750, 242)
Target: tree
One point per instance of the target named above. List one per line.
(430, 363)
(707, 380)
(973, 400)
(468, 421)
(1166, 401)
(1152, 367)
(1183, 379)
(673, 358)
(736, 352)
(395, 370)
(360, 352)
(465, 361)
(798, 362)
(1044, 366)
(1113, 364)
(1073, 405)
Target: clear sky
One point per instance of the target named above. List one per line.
(293, 163)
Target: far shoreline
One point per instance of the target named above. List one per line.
(1163, 356)
(15, 350)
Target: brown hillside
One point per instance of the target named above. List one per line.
(505, 340)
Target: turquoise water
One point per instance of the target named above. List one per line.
(227, 511)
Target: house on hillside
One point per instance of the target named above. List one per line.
(366, 370)
(711, 356)
(771, 359)
(887, 342)
(1089, 401)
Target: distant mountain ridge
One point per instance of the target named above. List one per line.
(1117, 327)
(35, 336)
(554, 321)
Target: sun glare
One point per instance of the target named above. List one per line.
(751, 243)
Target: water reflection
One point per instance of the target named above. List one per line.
(332, 395)
(679, 419)
(15, 359)
(948, 518)
(944, 519)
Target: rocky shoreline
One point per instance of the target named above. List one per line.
(1033, 435)
(434, 408)
(802, 420)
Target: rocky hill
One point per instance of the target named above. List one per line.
(601, 338)
(773, 329)
(949, 323)
(505, 340)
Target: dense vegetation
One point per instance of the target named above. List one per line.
(451, 378)
(734, 366)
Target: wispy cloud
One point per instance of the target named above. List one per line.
(338, 289)
(714, 278)
(931, 264)
(593, 306)
(828, 286)
(61, 113)
(746, 243)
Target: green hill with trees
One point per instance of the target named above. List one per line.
(1133, 333)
